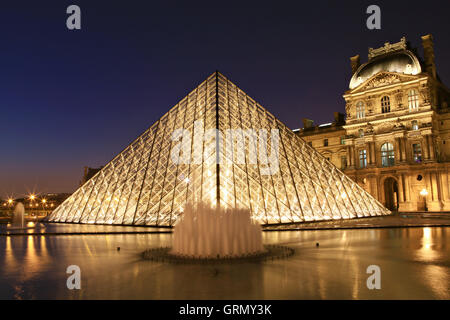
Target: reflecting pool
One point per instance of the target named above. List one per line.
(414, 262)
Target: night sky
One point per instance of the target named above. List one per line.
(70, 99)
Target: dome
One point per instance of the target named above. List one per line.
(401, 62)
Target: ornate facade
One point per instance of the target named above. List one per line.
(397, 129)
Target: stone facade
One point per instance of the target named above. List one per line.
(397, 129)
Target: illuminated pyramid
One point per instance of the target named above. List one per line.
(280, 179)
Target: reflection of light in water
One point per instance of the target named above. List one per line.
(10, 261)
(426, 240)
(438, 280)
(426, 252)
(436, 277)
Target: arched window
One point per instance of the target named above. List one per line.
(360, 110)
(385, 104)
(387, 155)
(413, 100)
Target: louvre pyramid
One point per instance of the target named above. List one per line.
(143, 186)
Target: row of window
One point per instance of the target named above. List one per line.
(414, 126)
(325, 141)
(387, 155)
(413, 104)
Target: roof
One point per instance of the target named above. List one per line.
(402, 61)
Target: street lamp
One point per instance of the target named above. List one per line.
(424, 194)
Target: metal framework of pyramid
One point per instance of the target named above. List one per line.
(143, 186)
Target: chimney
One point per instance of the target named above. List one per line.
(355, 63)
(428, 54)
(338, 118)
(307, 123)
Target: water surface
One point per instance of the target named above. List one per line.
(414, 262)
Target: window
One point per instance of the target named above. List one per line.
(415, 125)
(417, 152)
(362, 158)
(385, 104)
(387, 155)
(342, 139)
(360, 133)
(360, 110)
(343, 162)
(325, 142)
(413, 100)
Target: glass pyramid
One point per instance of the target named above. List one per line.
(143, 185)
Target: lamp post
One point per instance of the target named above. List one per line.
(424, 194)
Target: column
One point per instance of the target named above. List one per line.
(347, 149)
(425, 148)
(435, 186)
(400, 189)
(372, 152)
(428, 186)
(396, 150)
(403, 149)
(430, 146)
(374, 187)
(349, 156)
(352, 155)
(407, 190)
(444, 183)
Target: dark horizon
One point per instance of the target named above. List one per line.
(76, 98)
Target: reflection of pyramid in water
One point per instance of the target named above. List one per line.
(143, 186)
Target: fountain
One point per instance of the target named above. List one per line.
(18, 220)
(213, 235)
(209, 233)
(18, 216)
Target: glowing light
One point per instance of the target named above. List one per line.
(424, 192)
(44, 200)
(32, 197)
(10, 201)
